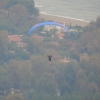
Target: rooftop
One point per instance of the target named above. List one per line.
(38, 37)
(15, 38)
(60, 34)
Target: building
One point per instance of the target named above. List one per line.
(16, 39)
(84, 57)
(36, 36)
(50, 27)
(65, 60)
(60, 35)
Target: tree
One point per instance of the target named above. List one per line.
(34, 46)
(98, 21)
(19, 12)
(3, 44)
(46, 83)
(31, 7)
(67, 77)
(13, 75)
(94, 64)
(3, 4)
(19, 73)
(96, 96)
(39, 65)
(81, 80)
(25, 75)
(29, 4)
(4, 81)
(93, 87)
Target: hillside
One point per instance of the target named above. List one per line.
(26, 73)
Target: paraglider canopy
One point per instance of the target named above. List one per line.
(47, 23)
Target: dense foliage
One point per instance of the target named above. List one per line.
(28, 71)
(17, 16)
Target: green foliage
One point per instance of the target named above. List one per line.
(19, 73)
(28, 4)
(4, 81)
(17, 15)
(3, 44)
(67, 77)
(46, 84)
(34, 46)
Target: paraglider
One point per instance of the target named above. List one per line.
(49, 57)
(47, 23)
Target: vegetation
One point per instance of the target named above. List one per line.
(27, 72)
(17, 15)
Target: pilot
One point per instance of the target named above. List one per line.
(49, 57)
